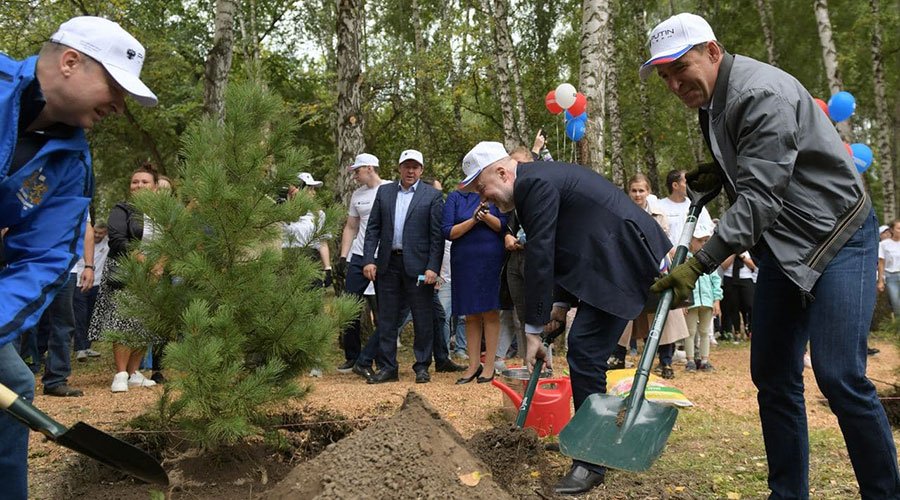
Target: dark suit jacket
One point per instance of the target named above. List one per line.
(586, 237)
(423, 243)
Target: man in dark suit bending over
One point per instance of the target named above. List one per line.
(587, 242)
(405, 229)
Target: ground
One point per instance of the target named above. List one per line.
(715, 450)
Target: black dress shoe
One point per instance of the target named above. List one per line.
(63, 391)
(448, 367)
(383, 376)
(485, 380)
(466, 380)
(579, 480)
(363, 371)
(422, 377)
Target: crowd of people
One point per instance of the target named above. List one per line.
(520, 242)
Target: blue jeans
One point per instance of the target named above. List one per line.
(83, 305)
(15, 375)
(836, 324)
(444, 296)
(355, 285)
(57, 325)
(892, 287)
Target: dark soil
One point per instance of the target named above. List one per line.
(411, 455)
(891, 402)
(516, 458)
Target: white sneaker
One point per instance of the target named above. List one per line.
(499, 365)
(92, 353)
(679, 358)
(137, 379)
(81, 355)
(315, 372)
(120, 382)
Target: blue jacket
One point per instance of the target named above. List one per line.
(707, 290)
(44, 204)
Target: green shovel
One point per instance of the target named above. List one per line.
(630, 433)
(86, 440)
(546, 339)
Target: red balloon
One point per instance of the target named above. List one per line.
(579, 106)
(849, 149)
(822, 104)
(550, 102)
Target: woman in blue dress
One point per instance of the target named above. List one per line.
(476, 258)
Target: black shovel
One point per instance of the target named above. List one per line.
(86, 440)
(630, 433)
(546, 339)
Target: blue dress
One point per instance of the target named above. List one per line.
(475, 257)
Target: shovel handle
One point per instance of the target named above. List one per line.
(33, 418)
(546, 339)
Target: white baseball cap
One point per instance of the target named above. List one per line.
(411, 154)
(673, 37)
(364, 160)
(883, 229)
(307, 179)
(480, 157)
(106, 42)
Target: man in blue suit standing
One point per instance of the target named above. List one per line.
(589, 244)
(405, 229)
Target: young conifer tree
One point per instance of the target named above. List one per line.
(242, 320)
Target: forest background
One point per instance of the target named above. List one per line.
(381, 76)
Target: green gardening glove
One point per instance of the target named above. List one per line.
(681, 280)
(703, 178)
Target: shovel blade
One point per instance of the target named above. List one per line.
(113, 452)
(594, 434)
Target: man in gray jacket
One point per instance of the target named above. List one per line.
(799, 205)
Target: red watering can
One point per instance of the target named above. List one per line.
(550, 407)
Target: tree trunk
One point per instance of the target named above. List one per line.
(218, 61)
(886, 160)
(765, 18)
(502, 68)
(617, 164)
(501, 12)
(829, 56)
(649, 148)
(350, 140)
(592, 82)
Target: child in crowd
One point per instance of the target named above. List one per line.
(707, 294)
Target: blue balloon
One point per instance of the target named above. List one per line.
(583, 116)
(862, 156)
(575, 130)
(841, 106)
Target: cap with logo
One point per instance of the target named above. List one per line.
(110, 45)
(364, 160)
(411, 154)
(480, 157)
(673, 37)
(307, 179)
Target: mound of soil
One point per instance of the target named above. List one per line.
(411, 455)
(516, 458)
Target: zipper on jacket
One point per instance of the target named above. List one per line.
(840, 229)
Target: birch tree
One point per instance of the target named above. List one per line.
(764, 8)
(617, 164)
(883, 127)
(592, 81)
(829, 56)
(349, 131)
(218, 61)
(506, 71)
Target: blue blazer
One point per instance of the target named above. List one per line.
(423, 243)
(586, 237)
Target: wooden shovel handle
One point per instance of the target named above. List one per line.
(7, 397)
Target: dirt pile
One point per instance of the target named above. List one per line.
(414, 454)
(516, 458)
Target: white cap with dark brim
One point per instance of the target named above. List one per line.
(483, 155)
(673, 37)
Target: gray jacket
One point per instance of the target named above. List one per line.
(786, 171)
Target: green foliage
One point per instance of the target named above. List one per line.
(242, 320)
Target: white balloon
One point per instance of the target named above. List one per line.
(565, 95)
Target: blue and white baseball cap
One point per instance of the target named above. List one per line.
(673, 37)
(107, 43)
(480, 157)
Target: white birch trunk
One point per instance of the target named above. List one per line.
(592, 83)
(617, 164)
(218, 61)
(829, 56)
(883, 127)
(350, 141)
(511, 137)
(764, 8)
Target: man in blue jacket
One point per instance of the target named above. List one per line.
(46, 101)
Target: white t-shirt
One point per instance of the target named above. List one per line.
(745, 272)
(300, 234)
(445, 263)
(889, 250)
(676, 213)
(101, 251)
(361, 206)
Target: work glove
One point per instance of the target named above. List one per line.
(681, 280)
(341, 267)
(329, 280)
(703, 178)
